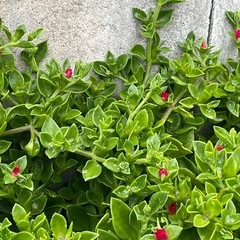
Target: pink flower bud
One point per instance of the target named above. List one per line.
(162, 172)
(165, 96)
(172, 208)
(16, 171)
(68, 73)
(204, 45)
(237, 34)
(161, 234)
(218, 147)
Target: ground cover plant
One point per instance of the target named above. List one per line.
(157, 159)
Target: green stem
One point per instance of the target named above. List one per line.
(174, 103)
(89, 155)
(149, 44)
(121, 78)
(16, 130)
(131, 116)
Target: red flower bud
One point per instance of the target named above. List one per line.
(16, 171)
(165, 96)
(237, 34)
(68, 73)
(172, 208)
(161, 234)
(218, 147)
(204, 45)
(162, 172)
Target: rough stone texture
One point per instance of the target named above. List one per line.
(221, 27)
(86, 29)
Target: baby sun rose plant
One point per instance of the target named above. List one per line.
(158, 160)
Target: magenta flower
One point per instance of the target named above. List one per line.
(68, 73)
(16, 171)
(165, 96)
(237, 34)
(161, 234)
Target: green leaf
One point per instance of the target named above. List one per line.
(33, 146)
(122, 61)
(112, 164)
(50, 126)
(18, 213)
(214, 207)
(200, 156)
(193, 90)
(157, 201)
(103, 235)
(222, 134)
(4, 146)
(91, 170)
(34, 34)
(233, 107)
(19, 32)
(24, 44)
(148, 237)
(45, 86)
(98, 116)
(87, 235)
(8, 179)
(139, 183)
(164, 17)
(122, 192)
(101, 68)
(41, 53)
(58, 226)
(139, 14)
(23, 235)
(22, 162)
(111, 143)
(77, 85)
(173, 231)
(142, 120)
(194, 73)
(187, 102)
(6, 61)
(139, 51)
(231, 18)
(212, 231)
(120, 218)
(200, 221)
(185, 113)
(16, 81)
(230, 168)
(208, 112)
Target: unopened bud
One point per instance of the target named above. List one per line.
(204, 45)
(16, 171)
(68, 73)
(165, 96)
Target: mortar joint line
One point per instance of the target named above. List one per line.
(210, 26)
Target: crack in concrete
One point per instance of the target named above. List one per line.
(210, 26)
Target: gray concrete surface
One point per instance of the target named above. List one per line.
(86, 29)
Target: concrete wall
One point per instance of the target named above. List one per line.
(86, 29)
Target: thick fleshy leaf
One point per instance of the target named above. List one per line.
(91, 170)
(120, 217)
(58, 226)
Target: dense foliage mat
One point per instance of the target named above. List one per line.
(139, 146)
